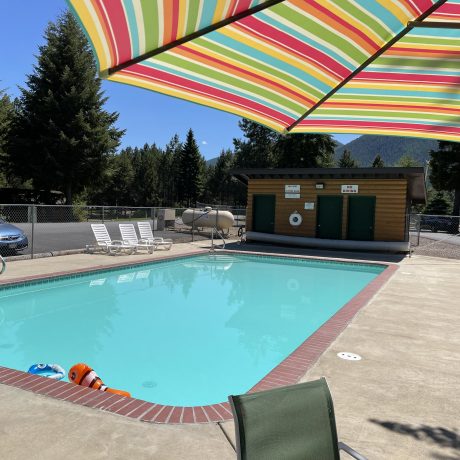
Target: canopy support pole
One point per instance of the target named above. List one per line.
(435, 24)
(396, 38)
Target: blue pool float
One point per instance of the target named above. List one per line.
(52, 371)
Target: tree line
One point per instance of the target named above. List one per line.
(57, 136)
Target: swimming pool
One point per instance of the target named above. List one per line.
(183, 332)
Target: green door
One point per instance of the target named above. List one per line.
(329, 217)
(361, 218)
(263, 213)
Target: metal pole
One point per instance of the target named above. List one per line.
(193, 226)
(419, 219)
(102, 214)
(33, 214)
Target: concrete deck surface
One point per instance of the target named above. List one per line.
(401, 401)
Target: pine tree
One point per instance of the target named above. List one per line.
(6, 115)
(445, 171)
(168, 172)
(304, 151)
(407, 161)
(122, 180)
(191, 170)
(347, 161)
(437, 205)
(145, 187)
(220, 181)
(378, 162)
(258, 150)
(62, 136)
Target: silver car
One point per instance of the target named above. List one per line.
(12, 238)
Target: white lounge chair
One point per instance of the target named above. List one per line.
(146, 234)
(108, 245)
(129, 236)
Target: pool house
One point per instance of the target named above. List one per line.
(341, 208)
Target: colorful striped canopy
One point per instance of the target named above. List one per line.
(302, 66)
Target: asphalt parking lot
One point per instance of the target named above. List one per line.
(50, 237)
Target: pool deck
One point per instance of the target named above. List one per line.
(401, 401)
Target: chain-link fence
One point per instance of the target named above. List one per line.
(43, 229)
(435, 235)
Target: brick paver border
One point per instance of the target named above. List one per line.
(288, 372)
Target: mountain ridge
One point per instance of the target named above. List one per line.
(390, 148)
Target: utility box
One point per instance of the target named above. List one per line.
(166, 218)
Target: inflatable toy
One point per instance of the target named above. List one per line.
(82, 374)
(52, 371)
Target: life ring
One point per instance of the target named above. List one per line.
(295, 219)
(52, 371)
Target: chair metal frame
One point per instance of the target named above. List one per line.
(340, 445)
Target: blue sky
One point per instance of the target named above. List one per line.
(146, 116)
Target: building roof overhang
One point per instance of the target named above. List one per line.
(415, 176)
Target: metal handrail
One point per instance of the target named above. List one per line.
(212, 238)
(3, 269)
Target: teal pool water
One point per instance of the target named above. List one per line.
(185, 332)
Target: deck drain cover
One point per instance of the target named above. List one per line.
(349, 356)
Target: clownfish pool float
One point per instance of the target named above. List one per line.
(82, 374)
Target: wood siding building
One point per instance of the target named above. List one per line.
(360, 204)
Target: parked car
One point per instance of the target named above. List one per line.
(12, 238)
(439, 223)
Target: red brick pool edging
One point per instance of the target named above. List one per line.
(288, 372)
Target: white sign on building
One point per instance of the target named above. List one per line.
(292, 195)
(292, 189)
(349, 189)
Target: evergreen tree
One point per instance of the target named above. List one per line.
(445, 171)
(122, 179)
(407, 161)
(304, 151)
(191, 171)
(378, 162)
(347, 161)
(62, 137)
(145, 188)
(168, 172)
(258, 151)
(6, 115)
(437, 205)
(220, 181)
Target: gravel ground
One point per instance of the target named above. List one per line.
(433, 248)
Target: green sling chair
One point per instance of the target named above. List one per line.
(289, 423)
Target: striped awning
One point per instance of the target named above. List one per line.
(355, 66)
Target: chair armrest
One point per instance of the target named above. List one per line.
(123, 243)
(351, 452)
(145, 241)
